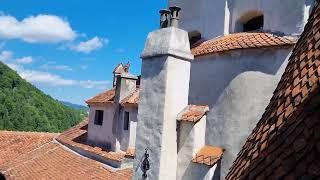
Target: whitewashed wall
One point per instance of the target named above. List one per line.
(104, 135)
(237, 86)
(205, 16)
(214, 18)
(285, 16)
(127, 138)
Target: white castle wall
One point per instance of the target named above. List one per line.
(104, 135)
(285, 16)
(214, 18)
(205, 16)
(237, 86)
(191, 140)
(127, 138)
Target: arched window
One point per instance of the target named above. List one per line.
(253, 24)
(194, 37)
(250, 21)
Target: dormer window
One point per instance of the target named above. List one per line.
(250, 21)
(98, 118)
(253, 24)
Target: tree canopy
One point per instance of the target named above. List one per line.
(23, 107)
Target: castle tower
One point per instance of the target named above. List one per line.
(164, 93)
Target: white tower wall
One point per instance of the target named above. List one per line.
(164, 93)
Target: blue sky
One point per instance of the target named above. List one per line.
(68, 48)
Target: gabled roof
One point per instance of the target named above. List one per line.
(121, 68)
(242, 41)
(192, 113)
(285, 144)
(132, 99)
(103, 98)
(208, 155)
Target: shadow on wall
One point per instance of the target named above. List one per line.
(200, 171)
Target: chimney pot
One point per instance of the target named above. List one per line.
(174, 21)
(164, 18)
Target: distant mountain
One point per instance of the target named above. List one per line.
(75, 106)
(23, 107)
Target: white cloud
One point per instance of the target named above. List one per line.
(51, 65)
(5, 56)
(46, 78)
(90, 45)
(36, 29)
(94, 84)
(25, 60)
(63, 68)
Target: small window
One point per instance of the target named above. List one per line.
(126, 121)
(98, 119)
(253, 24)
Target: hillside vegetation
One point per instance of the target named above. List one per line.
(23, 107)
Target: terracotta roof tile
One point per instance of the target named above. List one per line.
(25, 155)
(208, 155)
(130, 152)
(192, 113)
(52, 161)
(132, 99)
(106, 97)
(241, 41)
(13, 144)
(289, 145)
(77, 137)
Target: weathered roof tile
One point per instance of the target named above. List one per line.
(192, 113)
(241, 41)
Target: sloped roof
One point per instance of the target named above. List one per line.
(76, 137)
(244, 40)
(14, 144)
(192, 113)
(285, 144)
(208, 155)
(121, 68)
(103, 98)
(37, 156)
(132, 99)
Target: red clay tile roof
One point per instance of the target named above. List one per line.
(192, 113)
(208, 155)
(285, 144)
(130, 152)
(241, 41)
(77, 137)
(106, 97)
(13, 144)
(27, 155)
(132, 99)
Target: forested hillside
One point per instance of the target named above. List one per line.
(25, 108)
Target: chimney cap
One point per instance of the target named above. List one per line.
(175, 8)
(164, 11)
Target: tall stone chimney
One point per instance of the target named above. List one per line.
(164, 93)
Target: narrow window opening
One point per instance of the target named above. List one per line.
(98, 119)
(253, 24)
(126, 121)
(194, 37)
